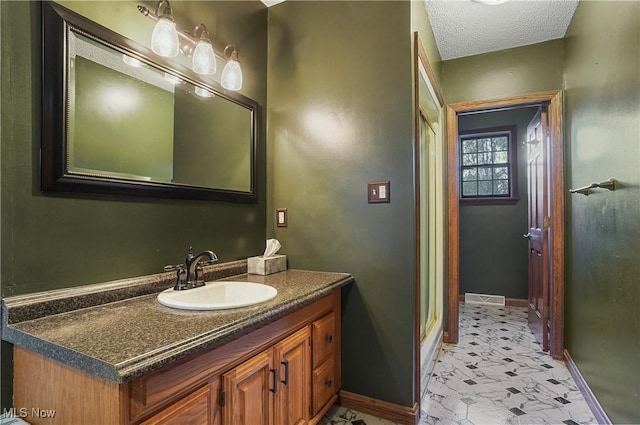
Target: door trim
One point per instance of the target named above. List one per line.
(556, 179)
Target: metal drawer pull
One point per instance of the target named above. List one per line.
(329, 383)
(275, 381)
(286, 373)
(329, 339)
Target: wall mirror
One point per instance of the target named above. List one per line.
(119, 119)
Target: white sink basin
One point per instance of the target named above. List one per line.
(218, 296)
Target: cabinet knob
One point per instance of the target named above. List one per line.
(329, 383)
(329, 338)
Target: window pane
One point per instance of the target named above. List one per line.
(501, 173)
(484, 145)
(469, 189)
(500, 143)
(485, 158)
(469, 174)
(469, 159)
(500, 157)
(485, 168)
(469, 146)
(501, 187)
(485, 188)
(484, 173)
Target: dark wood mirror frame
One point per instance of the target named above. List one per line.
(55, 177)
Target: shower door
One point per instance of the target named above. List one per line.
(429, 309)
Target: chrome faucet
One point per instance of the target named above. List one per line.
(189, 274)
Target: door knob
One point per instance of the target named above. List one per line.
(527, 236)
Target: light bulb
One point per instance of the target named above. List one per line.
(204, 60)
(231, 78)
(164, 40)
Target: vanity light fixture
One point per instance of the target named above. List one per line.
(167, 40)
(164, 39)
(203, 59)
(231, 78)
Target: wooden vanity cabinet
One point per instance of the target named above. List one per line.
(272, 387)
(286, 372)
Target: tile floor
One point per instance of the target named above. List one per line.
(496, 374)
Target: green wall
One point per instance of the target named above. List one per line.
(602, 82)
(510, 72)
(493, 254)
(340, 115)
(56, 241)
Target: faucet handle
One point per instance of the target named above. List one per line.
(207, 262)
(172, 268)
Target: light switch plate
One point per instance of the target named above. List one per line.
(379, 192)
(281, 217)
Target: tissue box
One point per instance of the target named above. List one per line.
(264, 266)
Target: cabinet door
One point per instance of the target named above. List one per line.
(195, 409)
(249, 392)
(324, 338)
(293, 358)
(324, 387)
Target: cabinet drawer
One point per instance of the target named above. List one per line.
(324, 338)
(324, 384)
(194, 409)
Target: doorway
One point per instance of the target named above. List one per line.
(554, 214)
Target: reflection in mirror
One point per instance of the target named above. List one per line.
(130, 120)
(119, 119)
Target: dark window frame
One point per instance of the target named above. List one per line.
(510, 199)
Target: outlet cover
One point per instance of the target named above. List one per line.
(379, 192)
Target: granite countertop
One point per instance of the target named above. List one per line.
(124, 339)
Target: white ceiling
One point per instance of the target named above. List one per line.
(466, 27)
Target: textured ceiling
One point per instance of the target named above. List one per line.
(466, 28)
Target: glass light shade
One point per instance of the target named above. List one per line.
(204, 92)
(172, 79)
(132, 61)
(231, 78)
(164, 40)
(204, 60)
(491, 2)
